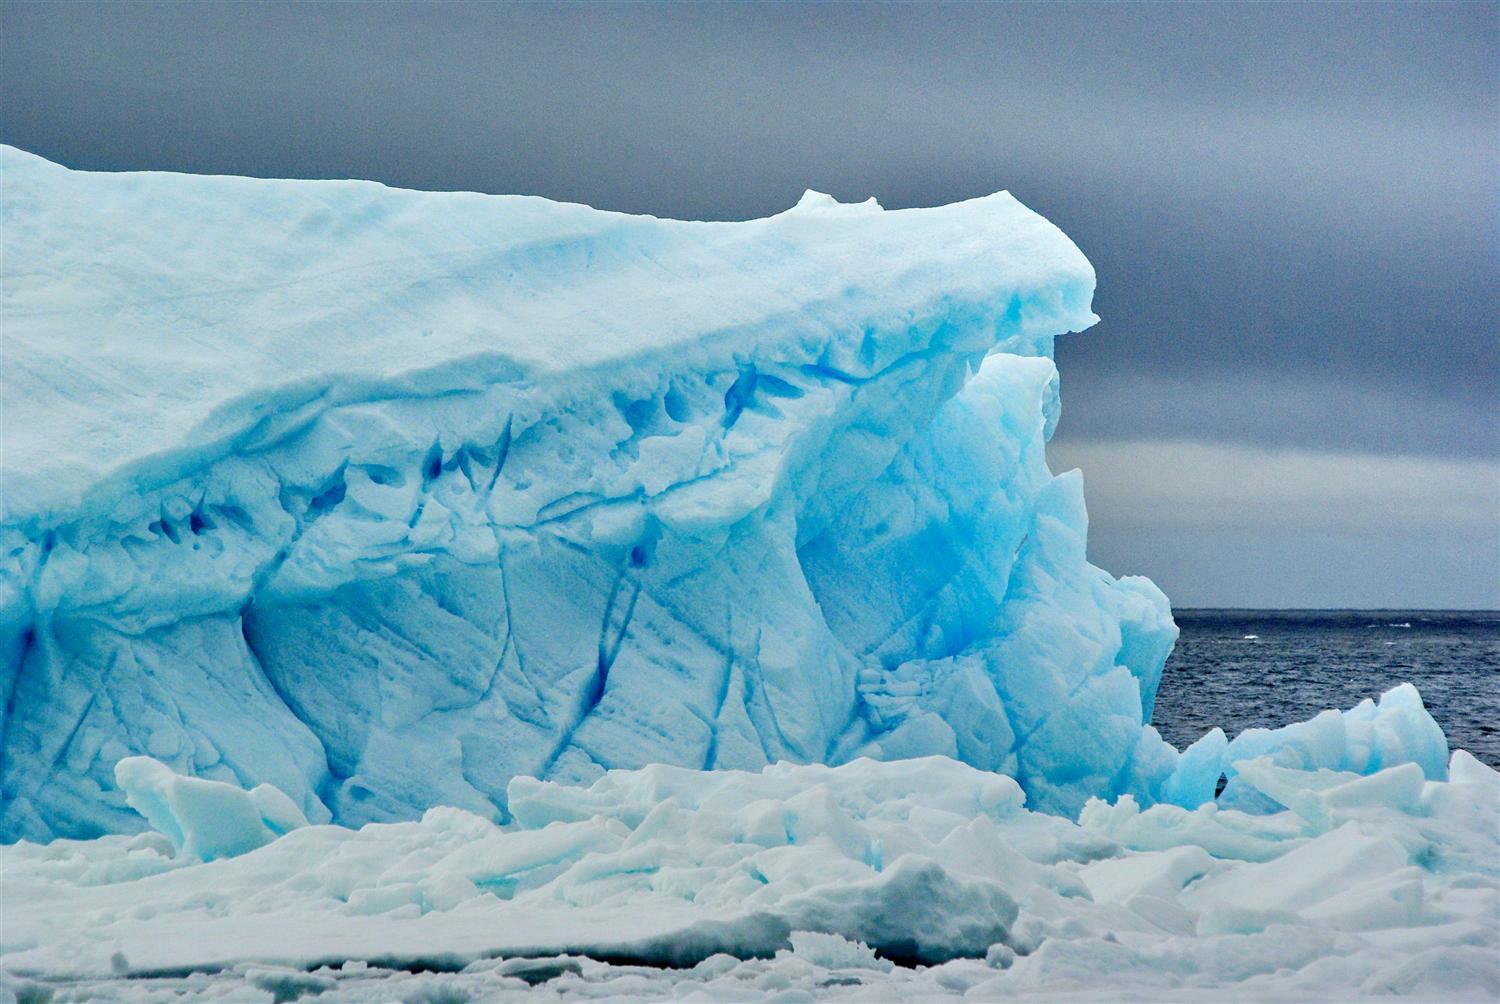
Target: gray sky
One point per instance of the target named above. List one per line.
(1292, 209)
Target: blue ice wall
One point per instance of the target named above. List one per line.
(385, 498)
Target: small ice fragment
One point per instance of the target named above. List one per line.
(834, 952)
(286, 985)
(1000, 956)
(205, 819)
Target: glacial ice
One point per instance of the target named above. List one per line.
(384, 498)
(912, 879)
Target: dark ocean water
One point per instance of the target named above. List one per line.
(1242, 668)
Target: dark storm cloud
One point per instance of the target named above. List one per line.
(1265, 189)
(1292, 207)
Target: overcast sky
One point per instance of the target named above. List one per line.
(1292, 210)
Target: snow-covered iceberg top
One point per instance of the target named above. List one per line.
(158, 322)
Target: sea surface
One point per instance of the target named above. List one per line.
(1243, 668)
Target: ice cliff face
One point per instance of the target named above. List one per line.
(384, 498)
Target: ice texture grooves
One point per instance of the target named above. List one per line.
(384, 498)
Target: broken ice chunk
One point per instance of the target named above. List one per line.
(205, 819)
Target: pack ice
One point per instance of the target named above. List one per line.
(384, 498)
(917, 879)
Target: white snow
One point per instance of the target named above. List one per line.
(909, 880)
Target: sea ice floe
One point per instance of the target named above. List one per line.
(909, 879)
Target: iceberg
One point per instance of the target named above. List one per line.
(440, 596)
(385, 498)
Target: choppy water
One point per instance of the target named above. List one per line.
(1242, 668)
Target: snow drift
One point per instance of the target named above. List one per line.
(385, 498)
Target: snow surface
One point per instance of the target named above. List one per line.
(384, 498)
(914, 879)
